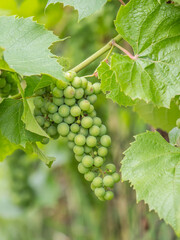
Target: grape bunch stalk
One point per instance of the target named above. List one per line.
(8, 84)
(69, 112)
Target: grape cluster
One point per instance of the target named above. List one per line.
(69, 112)
(19, 171)
(8, 84)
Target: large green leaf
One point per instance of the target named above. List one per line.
(109, 84)
(163, 118)
(26, 47)
(84, 7)
(11, 125)
(152, 29)
(152, 166)
(6, 147)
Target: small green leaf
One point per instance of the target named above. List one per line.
(26, 45)
(163, 118)
(31, 82)
(6, 147)
(152, 166)
(152, 29)
(44, 82)
(84, 7)
(47, 160)
(109, 84)
(11, 125)
(174, 136)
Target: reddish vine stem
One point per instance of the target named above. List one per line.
(125, 51)
(121, 1)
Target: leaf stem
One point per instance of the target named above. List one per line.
(125, 51)
(96, 55)
(17, 96)
(121, 1)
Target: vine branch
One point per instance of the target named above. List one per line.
(121, 1)
(97, 54)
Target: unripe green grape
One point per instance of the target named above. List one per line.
(50, 116)
(82, 169)
(84, 105)
(86, 122)
(37, 112)
(101, 199)
(79, 158)
(92, 114)
(57, 118)
(116, 177)
(46, 105)
(103, 130)
(178, 123)
(45, 140)
(75, 128)
(98, 161)
(2, 82)
(91, 141)
(111, 167)
(89, 89)
(71, 136)
(69, 92)
(52, 130)
(108, 181)
(58, 101)
(87, 161)
(92, 187)
(78, 150)
(70, 75)
(105, 141)
(76, 83)
(61, 84)
(91, 109)
(52, 108)
(56, 136)
(64, 110)
(79, 93)
(75, 111)
(7, 88)
(47, 124)
(100, 192)
(63, 129)
(92, 98)
(97, 88)
(94, 130)
(89, 176)
(58, 93)
(71, 145)
(70, 101)
(40, 91)
(80, 140)
(108, 195)
(70, 119)
(84, 131)
(40, 120)
(84, 82)
(97, 121)
(87, 149)
(38, 102)
(102, 151)
(97, 182)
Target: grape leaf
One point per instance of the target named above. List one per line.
(152, 29)
(26, 46)
(109, 84)
(11, 125)
(163, 118)
(174, 136)
(6, 147)
(152, 166)
(84, 7)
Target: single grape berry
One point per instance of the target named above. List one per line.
(80, 140)
(82, 169)
(70, 101)
(84, 82)
(87, 149)
(52, 130)
(89, 176)
(92, 114)
(89, 89)
(97, 182)
(105, 141)
(108, 195)
(91, 109)
(69, 92)
(78, 150)
(102, 151)
(100, 192)
(87, 122)
(76, 83)
(79, 158)
(79, 93)
(98, 161)
(84, 105)
(57, 118)
(92, 98)
(38, 102)
(111, 168)
(75, 128)
(52, 108)
(57, 92)
(69, 119)
(71, 136)
(70, 75)
(84, 131)
(45, 140)
(91, 141)
(47, 124)
(75, 111)
(108, 181)
(58, 101)
(71, 144)
(94, 130)
(97, 121)
(97, 88)
(87, 161)
(40, 120)
(103, 130)
(63, 129)
(116, 177)
(64, 110)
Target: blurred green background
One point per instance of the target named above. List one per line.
(37, 203)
